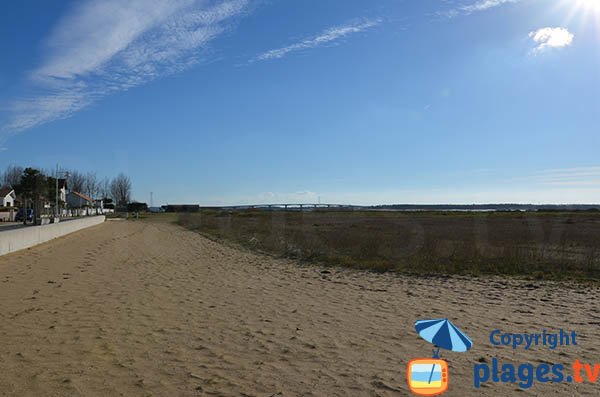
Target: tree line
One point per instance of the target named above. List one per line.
(35, 184)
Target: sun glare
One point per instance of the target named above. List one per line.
(589, 3)
(582, 10)
(588, 6)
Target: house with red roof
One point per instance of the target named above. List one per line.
(80, 204)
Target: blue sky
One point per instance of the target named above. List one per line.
(365, 102)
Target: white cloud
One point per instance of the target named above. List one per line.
(328, 36)
(474, 7)
(102, 47)
(551, 38)
(484, 5)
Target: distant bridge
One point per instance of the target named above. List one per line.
(411, 207)
(288, 207)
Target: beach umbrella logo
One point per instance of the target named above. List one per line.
(443, 334)
(429, 376)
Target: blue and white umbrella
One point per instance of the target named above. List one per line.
(442, 333)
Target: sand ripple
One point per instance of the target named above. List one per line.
(133, 308)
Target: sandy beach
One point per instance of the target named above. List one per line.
(151, 309)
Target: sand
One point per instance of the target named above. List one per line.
(140, 309)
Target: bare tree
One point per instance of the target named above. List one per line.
(76, 181)
(120, 189)
(91, 186)
(105, 188)
(12, 175)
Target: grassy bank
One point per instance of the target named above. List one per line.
(541, 245)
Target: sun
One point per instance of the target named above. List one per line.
(590, 5)
(582, 10)
(590, 10)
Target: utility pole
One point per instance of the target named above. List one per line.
(151, 199)
(66, 175)
(56, 193)
(36, 200)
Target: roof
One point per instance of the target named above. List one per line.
(5, 190)
(83, 196)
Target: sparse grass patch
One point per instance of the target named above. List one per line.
(538, 245)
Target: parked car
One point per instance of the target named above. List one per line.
(20, 213)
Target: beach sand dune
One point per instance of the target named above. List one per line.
(140, 308)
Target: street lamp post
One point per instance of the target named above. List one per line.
(66, 175)
(56, 193)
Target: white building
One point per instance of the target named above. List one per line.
(79, 200)
(100, 209)
(80, 204)
(7, 196)
(62, 190)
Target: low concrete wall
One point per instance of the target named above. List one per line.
(7, 215)
(18, 239)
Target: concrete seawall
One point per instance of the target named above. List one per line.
(18, 239)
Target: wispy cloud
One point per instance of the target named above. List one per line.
(484, 5)
(477, 6)
(102, 47)
(547, 38)
(328, 36)
(579, 176)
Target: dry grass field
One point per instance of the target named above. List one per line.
(550, 245)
